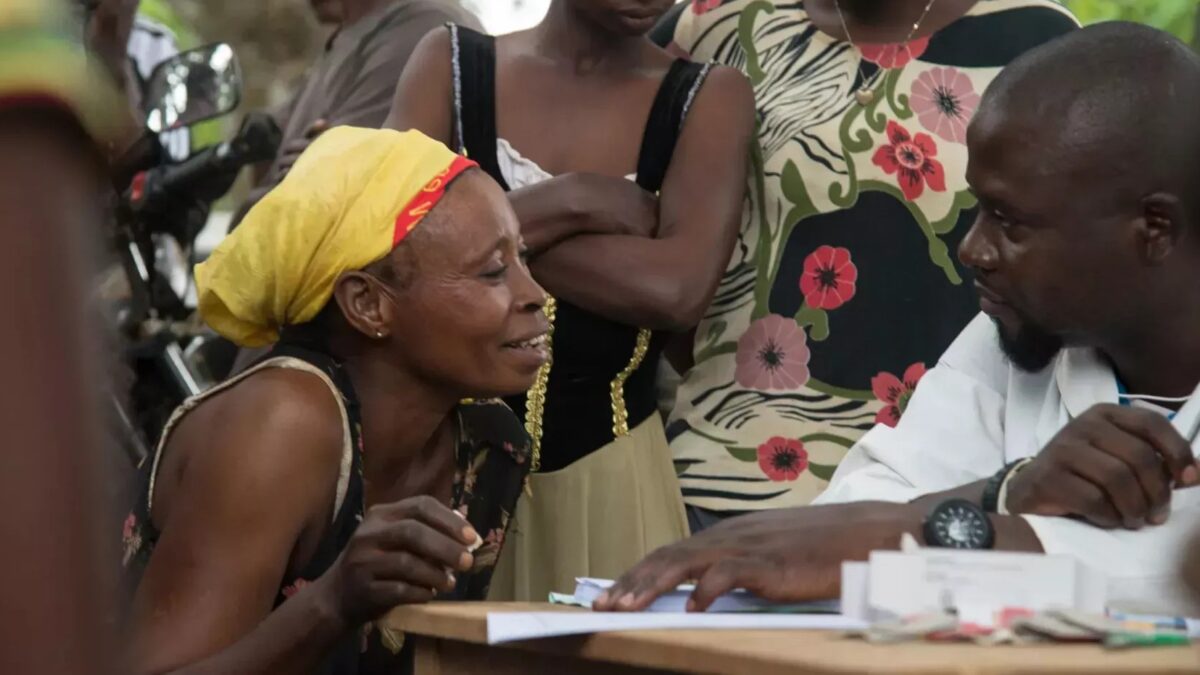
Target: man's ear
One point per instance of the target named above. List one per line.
(1163, 224)
(363, 304)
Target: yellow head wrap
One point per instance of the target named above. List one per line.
(350, 198)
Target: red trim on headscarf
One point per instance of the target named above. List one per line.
(35, 99)
(427, 198)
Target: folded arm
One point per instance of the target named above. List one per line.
(667, 282)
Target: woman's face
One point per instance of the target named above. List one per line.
(626, 17)
(466, 315)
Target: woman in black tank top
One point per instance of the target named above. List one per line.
(626, 168)
(288, 508)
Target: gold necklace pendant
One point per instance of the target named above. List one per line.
(864, 96)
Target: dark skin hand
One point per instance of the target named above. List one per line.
(788, 555)
(266, 526)
(1113, 466)
(595, 238)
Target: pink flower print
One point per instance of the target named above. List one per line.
(945, 100)
(773, 354)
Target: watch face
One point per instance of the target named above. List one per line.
(958, 524)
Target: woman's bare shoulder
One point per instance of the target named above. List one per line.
(277, 426)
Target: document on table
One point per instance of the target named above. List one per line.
(588, 589)
(513, 626)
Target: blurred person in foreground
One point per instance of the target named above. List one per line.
(630, 204)
(1051, 413)
(843, 285)
(343, 474)
(353, 80)
(56, 112)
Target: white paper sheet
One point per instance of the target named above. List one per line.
(512, 626)
(587, 589)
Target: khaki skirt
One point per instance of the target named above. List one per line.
(595, 518)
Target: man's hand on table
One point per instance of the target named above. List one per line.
(791, 555)
(1113, 466)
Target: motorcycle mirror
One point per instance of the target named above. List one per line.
(193, 86)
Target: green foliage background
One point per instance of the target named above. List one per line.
(1177, 16)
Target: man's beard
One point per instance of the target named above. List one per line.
(1031, 349)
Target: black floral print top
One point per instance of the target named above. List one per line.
(493, 454)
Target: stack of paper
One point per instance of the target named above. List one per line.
(588, 589)
(512, 626)
(974, 585)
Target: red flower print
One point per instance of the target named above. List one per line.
(702, 6)
(945, 101)
(127, 531)
(828, 279)
(773, 354)
(895, 55)
(782, 459)
(912, 158)
(895, 393)
(289, 591)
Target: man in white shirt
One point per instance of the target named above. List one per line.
(1085, 158)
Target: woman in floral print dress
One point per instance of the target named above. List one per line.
(842, 287)
(288, 508)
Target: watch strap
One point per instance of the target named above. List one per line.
(1002, 496)
(991, 500)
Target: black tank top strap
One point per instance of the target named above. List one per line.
(474, 68)
(663, 127)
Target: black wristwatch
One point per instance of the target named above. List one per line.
(958, 523)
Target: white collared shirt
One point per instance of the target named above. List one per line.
(976, 412)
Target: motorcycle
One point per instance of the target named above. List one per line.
(162, 208)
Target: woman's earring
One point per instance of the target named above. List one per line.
(379, 334)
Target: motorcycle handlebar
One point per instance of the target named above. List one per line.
(209, 174)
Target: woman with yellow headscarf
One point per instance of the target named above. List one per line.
(289, 507)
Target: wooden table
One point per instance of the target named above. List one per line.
(452, 640)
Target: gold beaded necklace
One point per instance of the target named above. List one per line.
(535, 399)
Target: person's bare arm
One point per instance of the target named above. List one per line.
(423, 97)
(550, 211)
(232, 526)
(788, 555)
(667, 282)
(229, 528)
